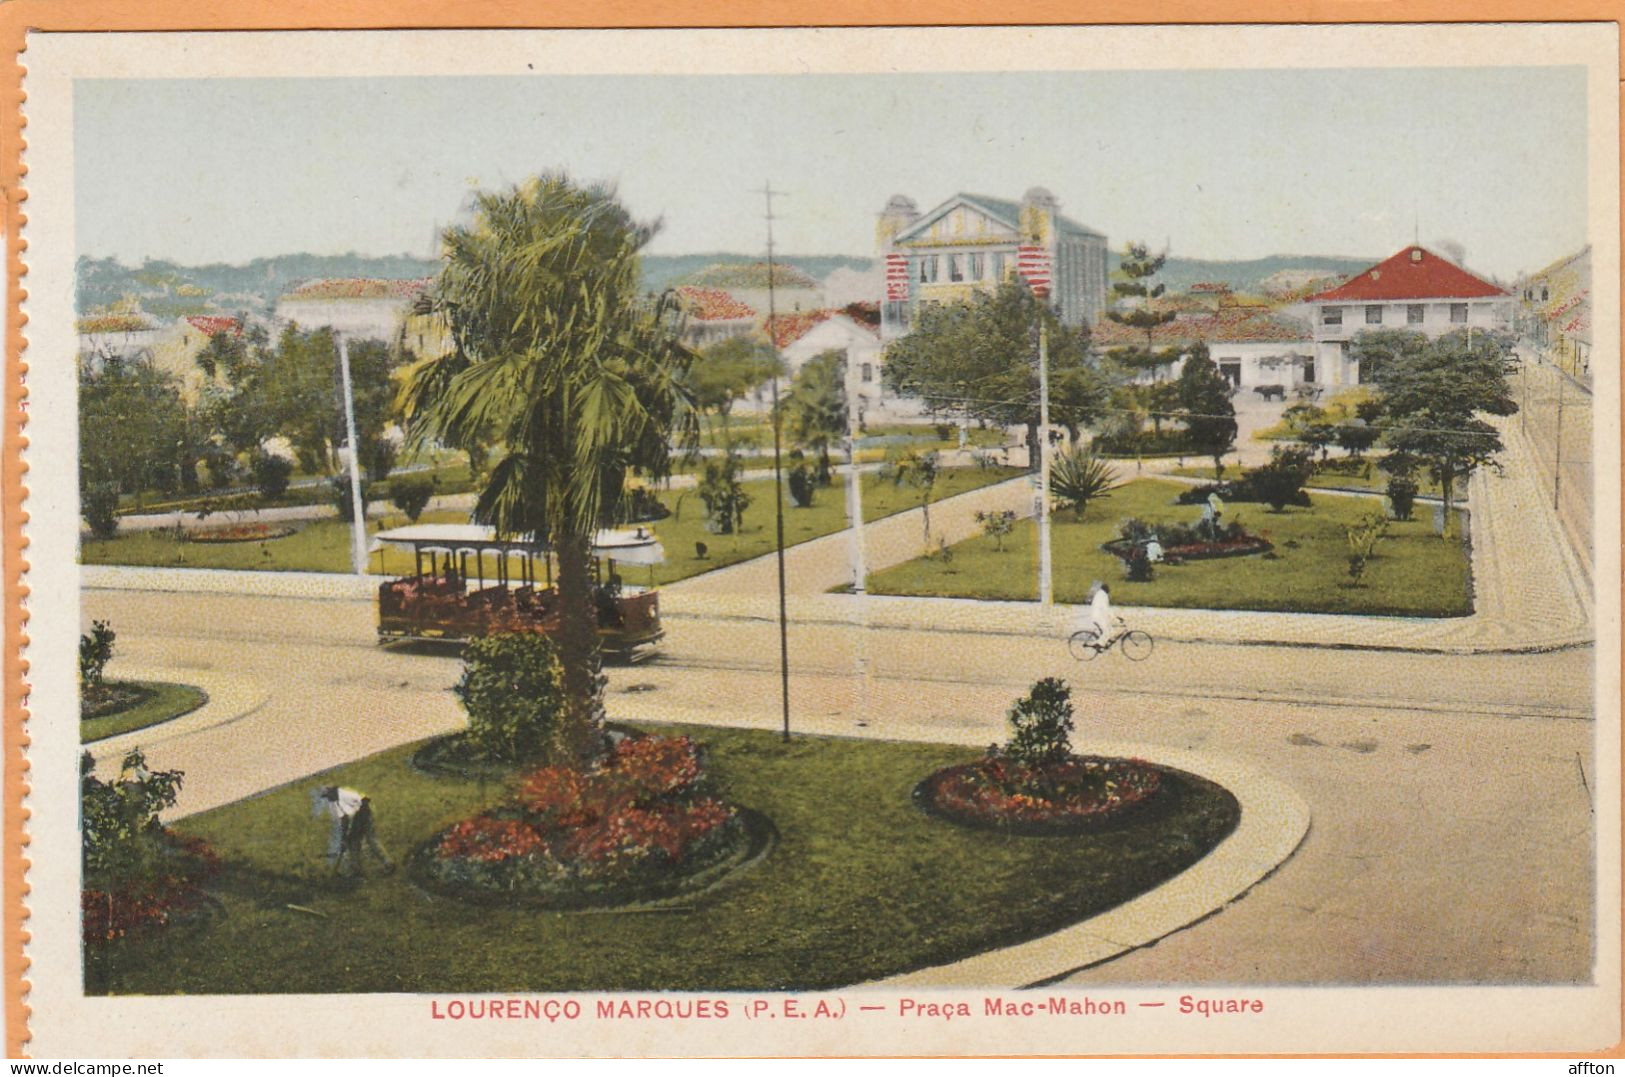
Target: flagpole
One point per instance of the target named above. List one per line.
(1046, 581)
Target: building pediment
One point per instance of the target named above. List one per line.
(960, 220)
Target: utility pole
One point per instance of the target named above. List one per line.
(1046, 582)
(778, 471)
(854, 487)
(358, 511)
(1557, 459)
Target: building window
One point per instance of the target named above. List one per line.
(1373, 314)
(1331, 315)
(1458, 313)
(976, 266)
(1415, 313)
(1309, 370)
(956, 267)
(1545, 293)
(868, 373)
(998, 265)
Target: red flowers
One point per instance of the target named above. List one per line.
(638, 810)
(490, 840)
(1076, 790)
(175, 890)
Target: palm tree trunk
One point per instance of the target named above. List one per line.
(578, 738)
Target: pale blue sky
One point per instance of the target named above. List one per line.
(1224, 164)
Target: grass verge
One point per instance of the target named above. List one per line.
(861, 885)
(158, 701)
(324, 545)
(1414, 572)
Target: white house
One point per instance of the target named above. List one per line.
(1252, 346)
(1416, 289)
(359, 307)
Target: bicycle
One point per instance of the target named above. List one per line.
(1136, 644)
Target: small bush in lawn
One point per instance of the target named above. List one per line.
(1362, 540)
(1279, 483)
(1041, 724)
(95, 651)
(411, 494)
(996, 525)
(342, 500)
(1402, 496)
(271, 474)
(100, 505)
(511, 691)
(802, 484)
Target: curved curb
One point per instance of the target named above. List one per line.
(230, 698)
(1274, 821)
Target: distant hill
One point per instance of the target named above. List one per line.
(168, 290)
(1245, 276)
(662, 271)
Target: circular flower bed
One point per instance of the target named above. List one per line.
(1243, 546)
(639, 826)
(239, 533)
(171, 892)
(1059, 797)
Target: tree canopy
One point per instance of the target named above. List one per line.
(577, 376)
(1134, 273)
(727, 370)
(978, 357)
(1205, 406)
(1433, 393)
(816, 406)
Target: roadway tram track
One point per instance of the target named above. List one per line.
(1471, 708)
(218, 632)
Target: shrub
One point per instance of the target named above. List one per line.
(997, 525)
(1362, 540)
(136, 874)
(722, 495)
(1356, 436)
(411, 494)
(341, 496)
(802, 483)
(378, 459)
(1078, 477)
(95, 651)
(1041, 724)
(511, 690)
(99, 501)
(271, 474)
(1279, 483)
(1402, 496)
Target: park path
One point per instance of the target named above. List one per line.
(1531, 591)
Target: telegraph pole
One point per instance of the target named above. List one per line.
(778, 471)
(854, 486)
(358, 511)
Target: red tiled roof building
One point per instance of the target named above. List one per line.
(1415, 290)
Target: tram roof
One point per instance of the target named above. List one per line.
(634, 547)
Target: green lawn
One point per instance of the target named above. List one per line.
(324, 545)
(164, 702)
(1414, 572)
(449, 472)
(862, 884)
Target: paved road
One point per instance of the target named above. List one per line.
(1451, 795)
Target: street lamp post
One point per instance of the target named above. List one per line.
(358, 511)
(854, 487)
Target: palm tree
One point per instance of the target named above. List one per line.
(577, 379)
(1078, 477)
(817, 406)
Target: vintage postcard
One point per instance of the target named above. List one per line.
(857, 541)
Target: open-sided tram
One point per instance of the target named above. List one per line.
(467, 583)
